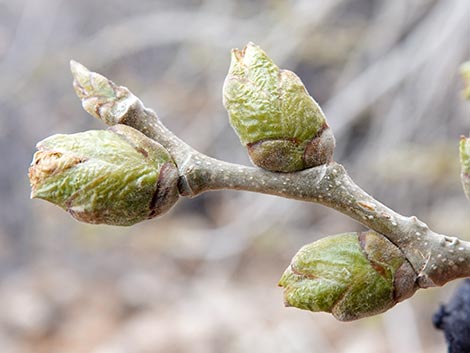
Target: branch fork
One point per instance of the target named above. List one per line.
(399, 255)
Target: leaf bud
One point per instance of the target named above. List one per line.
(116, 176)
(281, 125)
(350, 275)
(102, 98)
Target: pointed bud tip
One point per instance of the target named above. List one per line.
(73, 64)
(77, 69)
(250, 47)
(91, 85)
(81, 79)
(246, 55)
(237, 54)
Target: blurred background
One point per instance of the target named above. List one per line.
(203, 278)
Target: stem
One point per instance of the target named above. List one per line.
(436, 258)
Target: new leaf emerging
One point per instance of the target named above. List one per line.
(116, 176)
(350, 275)
(282, 126)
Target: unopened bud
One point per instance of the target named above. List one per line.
(350, 275)
(116, 176)
(102, 98)
(282, 126)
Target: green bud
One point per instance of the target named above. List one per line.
(102, 98)
(350, 275)
(282, 126)
(465, 164)
(116, 176)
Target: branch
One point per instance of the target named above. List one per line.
(137, 170)
(435, 258)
